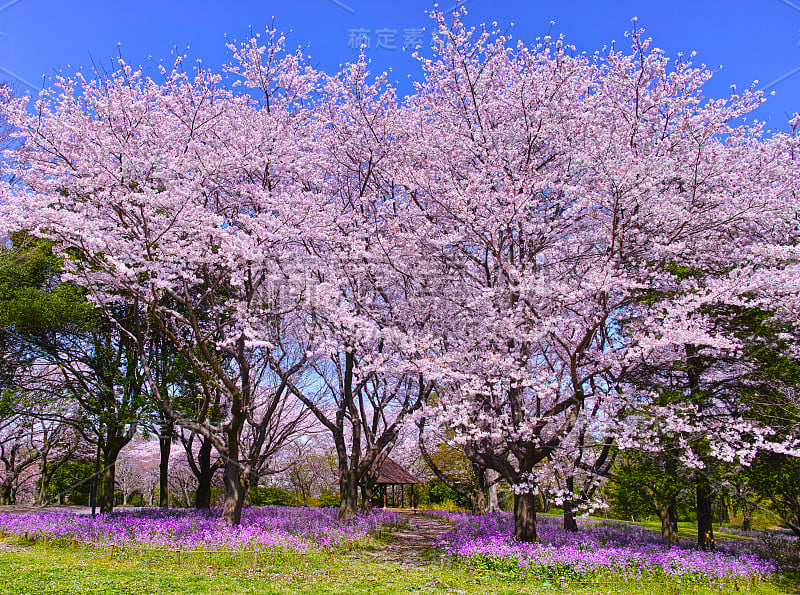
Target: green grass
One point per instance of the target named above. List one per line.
(33, 569)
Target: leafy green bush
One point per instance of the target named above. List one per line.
(271, 496)
(329, 497)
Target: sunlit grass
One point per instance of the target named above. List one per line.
(27, 568)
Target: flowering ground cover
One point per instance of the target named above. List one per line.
(603, 550)
(265, 528)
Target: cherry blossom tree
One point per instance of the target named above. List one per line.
(182, 216)
(560, 190)
(363, 313)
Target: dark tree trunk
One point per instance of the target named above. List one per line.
(7, 494)
(747, 521)
(667, 514)
(235, 492)
(204, 474)
(367, 491)
(704, 505)
(164, 445)
(108, 476)
(570, 522)
(348, 489)
(525, 517)
(672, 511)
(477, 501)
(477, 495)
(108, 479)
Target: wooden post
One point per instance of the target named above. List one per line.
(72, 549)
(441, 562)
(178, 557)
(305, 562)
(470, 573)
(255, 559)
(111, 554)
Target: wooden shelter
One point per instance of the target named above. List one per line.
(393, 475)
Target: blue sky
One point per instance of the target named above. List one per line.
(750, 40)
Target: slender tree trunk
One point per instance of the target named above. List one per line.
(164, 445)
(42, 498)
(477, 497)
(202, 497)
(187, 499)
(525, 517)
(491, 479)
(704, 504)
(570, 522)
(747, 520)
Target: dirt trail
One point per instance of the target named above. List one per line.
(410, 542)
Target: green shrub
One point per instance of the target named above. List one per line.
(329, 497)
(271, 496)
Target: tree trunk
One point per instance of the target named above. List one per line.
(477, 495)
(164, 445)
(42, 498)
(7, 494)
(108, 478)
(525, 517)
(348, 488)
(232, 479)
(367, 491)
(570, 523)
(477, 501)
(202, 497)
(491, 479)
(667, 514)
(704, 503)
(747, 520)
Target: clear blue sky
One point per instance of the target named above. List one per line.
(756, 39)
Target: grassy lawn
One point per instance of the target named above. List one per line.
(37, 568)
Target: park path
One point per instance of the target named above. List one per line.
(411, 541)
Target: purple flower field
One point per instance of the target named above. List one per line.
(607, 549)
(271, 527)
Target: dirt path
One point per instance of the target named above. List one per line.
(410, 542)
